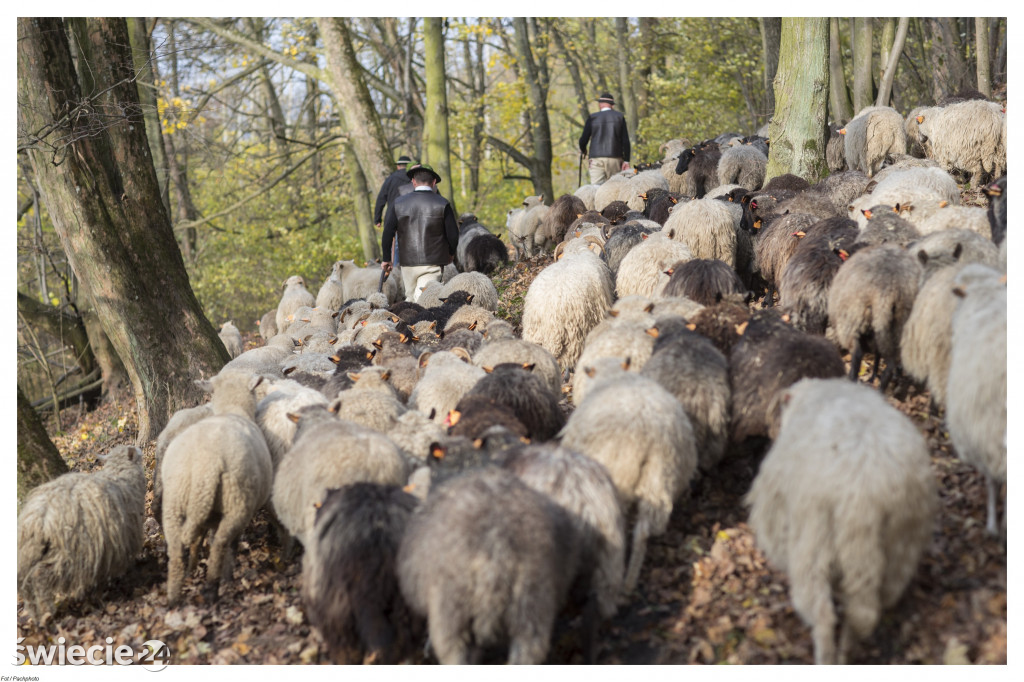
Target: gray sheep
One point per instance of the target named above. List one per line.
(349, 585)
(703, 280)
(488, 561)
(294, 296)
(265, 359)
(79, 530)
(847, 518)
(566, 209)
(360, 282)
(476, 283)
(966, 136)
(875, 133)
(641, 434)
(446, 377)
(775, 244)
(498, 351)
(805, 282)
(946, 247)
(743, 165)
(615, 338)
(642, 270)
(216, 474)
(707, 227)
(976, 403)
(523, 225)
(639, 185)
(231, 338)
(885, 226)
(842, 188)
(268, 324)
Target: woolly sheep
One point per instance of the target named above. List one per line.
(482, 252)
(371, 401)
(329, 453)
(835, 149)
(966, 136)
(744, 166)
(564, 302)
(842, 188)
(608, 191)
(498, 351)
(523, 225)
(268, 324)
(875, 133)
(527, 394)
(478, 284)
(642, 436)
(557, 220)
(488, 561)
(812, 202)
(78, 530)
(640, 184)
(869, 302)
(642, 270)
(231, 338)
(265, 359)
(725, 192)
(179, 421)
(446, 377)
(706, 226)
(295, 295)
(621, 339)
(216, 474)
(476, 414)
(884, 226)
(719, 322)
(349, 586)
(953, 246)
(586, 194)
(804, 285)
(621, 241)
(272, 415)
(933, 217)
(846, 518)
(775, 244)
(332, 292)
(704, 280)
(360, 282)
(785, 182)
(976, 404)
(413, 434)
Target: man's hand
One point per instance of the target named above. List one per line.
(386, 266)
(377, 225)
(625, 165)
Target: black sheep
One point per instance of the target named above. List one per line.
(704, 280)
(527, 394)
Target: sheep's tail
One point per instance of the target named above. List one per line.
(204, 491)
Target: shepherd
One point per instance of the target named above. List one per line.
(608, 136)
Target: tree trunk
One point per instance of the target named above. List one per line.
(642, 79)
(582, 101)
(91, 159)
(984, 56)
(625, 77)
(435, 128)
(863, 90)
(368, 238)
(771, 28)
(885, 45)
(839, 96)
(67, 329)
(885, 87)
(540, 169)
(185, 210)
(799, 129)
(145, 62)
(38, 458)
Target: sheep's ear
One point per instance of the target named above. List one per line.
(958, 250)
(395, 318)
(643, 236)
(335, 406)
(787, 318)
(626, 363)
(370, 354)
(463, 354)
(335, 358)
(478, 443)
(488, 369)
(354, 376)
(591, 372)
(288, 370)
(613, 313)
(653, 331)
(332, 339)
(205, 385)
(433, 325)
(672, 233)
(741, 328)
(437, 451)
(959, 293)
(472, 327)
(528, 366)
(469, 299)
(385, 376)
(442, 300)
(453, 418)
(335, 314)
(402, 338)
(433, 413)
(867, 213)
(131, 454)
(922, 256)
(669, 272)
(424, 359)
(943, 204)
(692, 327)
(254, 382)
(307, 337)
(293, 417)
(414, 338)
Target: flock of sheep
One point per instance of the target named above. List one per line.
(420, 454)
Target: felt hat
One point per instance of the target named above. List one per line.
(606, 98)
(403, 159)
(422, 167)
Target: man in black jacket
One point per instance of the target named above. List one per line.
(609, 141)
(389, 190)
(428, 236)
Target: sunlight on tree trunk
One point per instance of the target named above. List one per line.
(984, 56)
(863, 86)
(435, 129)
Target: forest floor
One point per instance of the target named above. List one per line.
(706, 593)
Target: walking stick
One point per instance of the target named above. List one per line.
(384, 274)
(579, 175)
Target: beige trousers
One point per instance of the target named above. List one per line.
(416, 276)
(602, 168)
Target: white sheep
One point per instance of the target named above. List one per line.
(641, 183)
(707, 227)
(642, 269)
(285, 396)
(966, 136)
(744, 166)
(587, 194)
(523, 224)
(608, 191)
(231, 338)
(295, 296)
(844, 503)
(360, 282)
(875, 133)
(332, 292)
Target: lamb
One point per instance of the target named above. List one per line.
(527, 394)
(523, 224)
(564, 302)
(976, 404)
(744, 166)
(563, 212)
(586, 194)
(349, 586)
(475, 283)
(329, 453)
(268, 324)
(332, 292)
(488, 561)
(79, 530)
(966, 136)
(704, 280)
(869, 302)
(447, 377)
(690, 368)
(642, 435)
(769, 356)
(216, 474)
(872, 135)
(642, 270)
(706, 226)
(502, 350)
(231, 338)
(846, 518)
(295, 296)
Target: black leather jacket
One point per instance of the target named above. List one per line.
(425, 225)
(388, 192)
(608, 136)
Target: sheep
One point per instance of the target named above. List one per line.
(642, 435)
(620, 242)
(527, 394)
(689, 367)
(564, 302)
(842, 188)
(744, 166)
(523, 224)
(608, 191)
(702, 164)
(915, 185)
(718, 322)
(371, 402)
(640, 184)
(704, 280)
(231, 338)
(488, 561)
(216, 474)
(268, 324)
(615, 212)
(349, 586)
(477, 284)
(706, 227)
(996, 193)
(430, 295)
(271, 415)
(812, 202)
(846, 518)
(886, 227)
(976, 405)
(624, 340)
(953, 246)
(966, 136)
(502, 350)
(933, 217)
(557, 220)
(360, 282)
(79, 530)
(446, 377)
(179, 421)
(265, 359)
(677, 183)
(478, 249)
(642, 270)
(869, 302)
(726, 192)
(776, 242)
(872, 135)
(760, 207)
(586, 194)
(328, 453)
(332, 292)
(835, 149)
(294, 296)
(769, 356)
(477, 413)
(785, 182)
(583, 488)
(804, 285)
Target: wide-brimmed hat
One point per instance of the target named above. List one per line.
(403, 159)
(420, 167)
(607, 98)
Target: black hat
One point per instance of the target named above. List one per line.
(422, 167)
(403, 159)
(607, 98)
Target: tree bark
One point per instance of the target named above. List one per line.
(863, 91)
(839, 96)
(625, 77)
(91, 158)
(885, 87)
(642, 80)
(145, 63)
(67, 329)
(771, 28)
(582, 101)
(185, 211)
(38, 458)
(984, 56)
(885, 45)
(799, 129)
(435, 128)
(540, 168)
